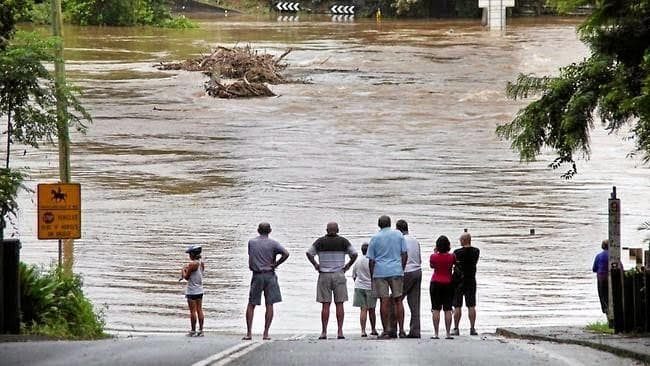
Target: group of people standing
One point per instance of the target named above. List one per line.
(390, 269)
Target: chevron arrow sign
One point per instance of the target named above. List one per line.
(287, 6)
(342, 9)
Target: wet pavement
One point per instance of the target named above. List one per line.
(302, 349)
(634, 346)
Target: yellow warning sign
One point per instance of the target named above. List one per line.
(59, 211)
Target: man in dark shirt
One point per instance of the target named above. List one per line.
(466, 259)
(601, 268)
(262, 261)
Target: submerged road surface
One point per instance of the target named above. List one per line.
(302, 350)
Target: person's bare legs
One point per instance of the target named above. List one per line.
(324, 319)
(458, 312)
(436, 322)
(363, 316)
(471, 311)
(373, 321)
(268, 318)
(384, 308)
(340, 315)
(199, 313)
(448, 317)
(250, 310)
(399, 314)
(192, 306)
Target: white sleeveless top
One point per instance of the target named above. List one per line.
(195, 282)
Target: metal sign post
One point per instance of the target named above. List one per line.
(615, 272)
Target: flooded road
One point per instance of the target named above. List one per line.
(398, 118)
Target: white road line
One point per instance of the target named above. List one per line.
(296, 337)
(236, 355)
(227, 353)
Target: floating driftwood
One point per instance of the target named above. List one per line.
(237, 89)
(251, 69)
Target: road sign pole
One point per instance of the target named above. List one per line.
(60, 252)
(614, 306)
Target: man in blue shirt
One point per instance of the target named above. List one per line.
(601, 268)
(387, 253)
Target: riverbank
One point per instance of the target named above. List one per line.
(631, 346)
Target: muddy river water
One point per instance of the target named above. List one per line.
(397, 118)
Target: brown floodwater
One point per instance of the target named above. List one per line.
(396, 118)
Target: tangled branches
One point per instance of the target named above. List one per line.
(251, 69)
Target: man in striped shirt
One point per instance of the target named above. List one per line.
(331, 250)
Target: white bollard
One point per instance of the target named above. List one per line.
(496, 13)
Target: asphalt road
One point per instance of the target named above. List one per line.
(217, 349)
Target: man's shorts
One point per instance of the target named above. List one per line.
(364, 299)
(467, 289)
(441, 296)
(266, 282)
(328, 283)
(381, 286)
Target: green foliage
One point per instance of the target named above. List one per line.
(28, 105)
(53, 304)
(614, 82)
(10, 183)
(599, 327)
(123, 13)
(178, 22)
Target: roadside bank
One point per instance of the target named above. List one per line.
(632, 346)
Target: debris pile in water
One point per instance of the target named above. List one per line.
(253, 70)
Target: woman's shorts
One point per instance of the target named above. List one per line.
(194, 297)
(441, 295)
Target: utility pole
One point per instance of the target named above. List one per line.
(62, 118)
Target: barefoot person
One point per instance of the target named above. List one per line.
(363, 296)
(441, 289)
(331, 250)
(387, 255)
(262, 254)
(193, 274)
(466, 259)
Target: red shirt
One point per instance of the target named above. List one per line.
(442, 264)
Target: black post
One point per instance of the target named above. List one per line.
(10, 294)
(616, 276)
(639, 302)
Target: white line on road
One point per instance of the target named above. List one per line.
(225, 354)
(228, 355)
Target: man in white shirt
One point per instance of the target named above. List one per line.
(363, 297)
(412, 279)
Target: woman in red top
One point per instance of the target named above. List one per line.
(441, 288)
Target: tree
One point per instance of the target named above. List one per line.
(27, 101)
(613, 83)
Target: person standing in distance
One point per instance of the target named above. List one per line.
(601, 268)
(193, 274)
(466, 259)
(331, 250)
(387, 254)
(363, 296)
(441, 289)
(412, 279)
(262, 261)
